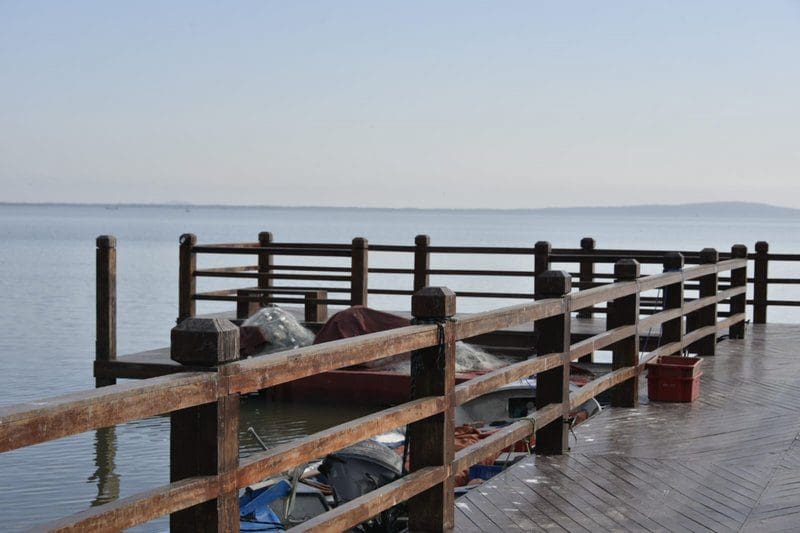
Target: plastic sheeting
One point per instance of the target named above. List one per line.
(277, 330)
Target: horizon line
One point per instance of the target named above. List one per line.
(731, 203)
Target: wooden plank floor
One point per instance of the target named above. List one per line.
(728, 462)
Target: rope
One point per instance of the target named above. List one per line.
(649, 331)
(416, 368)
(532, 421)
(683, 352)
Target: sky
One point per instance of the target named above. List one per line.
(400, 104)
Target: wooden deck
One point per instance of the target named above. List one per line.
(728, 462)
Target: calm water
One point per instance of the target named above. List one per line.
(47, 313)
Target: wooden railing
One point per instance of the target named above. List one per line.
(354, 279)
(206, 472)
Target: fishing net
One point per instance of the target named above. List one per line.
(280, 329)
(470, 358)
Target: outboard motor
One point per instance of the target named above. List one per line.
(359, 469)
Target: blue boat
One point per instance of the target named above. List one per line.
(264, 508)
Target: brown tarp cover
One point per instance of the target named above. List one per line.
(358, 320)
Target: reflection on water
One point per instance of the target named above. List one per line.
(280, 422)
(105, 474)
(275, 422)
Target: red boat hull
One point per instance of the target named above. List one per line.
(370, 387)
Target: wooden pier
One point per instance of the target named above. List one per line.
(722, 463)
(727, 462)
(345, 275)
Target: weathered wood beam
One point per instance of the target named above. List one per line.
(430, 440)
(204, 439)
(738, 279)
(760, 284)
(286, 456)
(505, 437)
(60, 416)
(138, 508)
(187, 282)
(625, 353)
(359, 272)
(552, 386)
(362, 508)
(257, 373)
(106, 304)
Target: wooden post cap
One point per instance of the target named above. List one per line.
(673, 261)
(542, 247)
(360, 242)
(553, 283)
(188, 239)
(762, 247)
(739, 251)
(709, 255)
(626, 269)
(204, 342)
(106, 241)
(588, 243)
(433, 302)
(422, 240)
(265, 237)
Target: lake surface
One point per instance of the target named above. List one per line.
(47, 313)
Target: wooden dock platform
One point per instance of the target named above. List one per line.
(728, 462)
(157, 362)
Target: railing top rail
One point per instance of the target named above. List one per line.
(391, 248)
(781, 257)
(589, 297)
(263, 372)
(287, 245)
(273, 250)
(60, 416)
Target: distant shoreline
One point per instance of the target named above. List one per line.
(749, 209)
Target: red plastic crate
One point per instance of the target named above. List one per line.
(672, 378)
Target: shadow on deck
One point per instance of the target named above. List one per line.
(728, 462)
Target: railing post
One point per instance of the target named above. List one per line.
(265, 267)
(105, 348)
(204, 440)
(422, 262)
(187, 283)
(552, 386)
(247, 303)
(707, 316)
(431, 439)
(672, 330)
(738, 279)
(358, 272)
(586, 273)
(315, 309)
(625, 353)
(541, 263)
(760, 273)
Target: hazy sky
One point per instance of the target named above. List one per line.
(425, 104)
